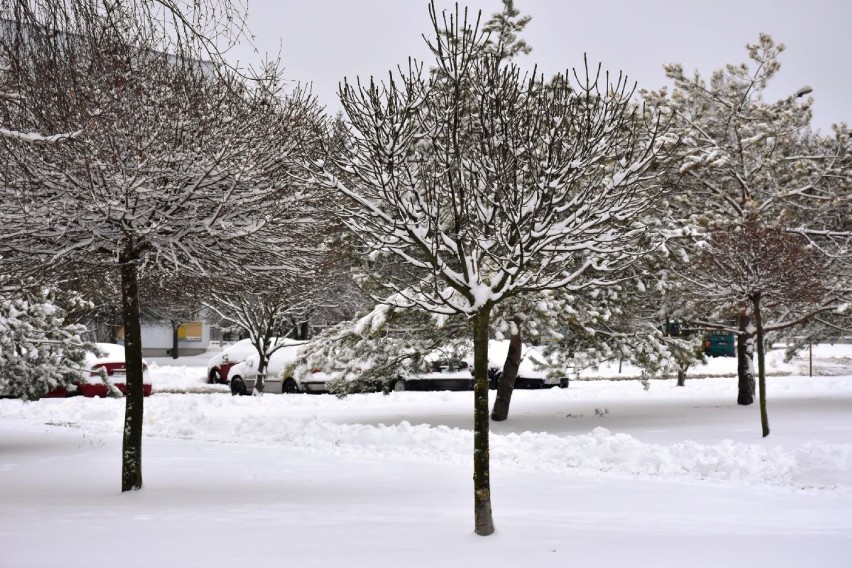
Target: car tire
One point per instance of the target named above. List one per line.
(238, 387)
(399, 385)
(289, 387)
(215, 378)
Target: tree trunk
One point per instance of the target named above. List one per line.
(681, 376)
(175, 327)
(484, 523)
(506, 382)
(761, 364)
(260, 380)
(131, 461)
(745, 361)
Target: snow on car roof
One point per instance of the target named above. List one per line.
(112, 353)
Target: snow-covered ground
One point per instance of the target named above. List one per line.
(604, 473)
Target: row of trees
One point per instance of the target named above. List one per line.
(500, 198)
(128, 158)
(476, 198)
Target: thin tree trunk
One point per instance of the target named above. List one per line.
(175, 327)
(745, 365)
(810, 358)
(681, 375)
(761, 364)
(484, 522)
(131, 461)
(260, 380)
(506, 382)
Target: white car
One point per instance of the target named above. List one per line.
(315, 381)
(242, 376)
(220, 364)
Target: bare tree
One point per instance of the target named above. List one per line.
(173, 299)
(190, 31)
(262, 310)
(174, 165)
(280, 304)
(773, 274)
(485, 184)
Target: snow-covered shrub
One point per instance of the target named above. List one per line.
(39, 351)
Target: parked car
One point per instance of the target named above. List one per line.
(242, 376)
(315, 382)
(529, 375)
(437, 374)
(221, 363)
(437, 371)
(112, 360)
(442, 374)
(719, 345)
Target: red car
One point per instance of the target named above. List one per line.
(91, 384)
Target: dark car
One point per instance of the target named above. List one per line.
(443, 374)
(530, 374)
(522, 382)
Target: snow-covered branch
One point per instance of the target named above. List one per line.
(35, 138)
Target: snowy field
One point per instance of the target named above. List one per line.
(603, 473)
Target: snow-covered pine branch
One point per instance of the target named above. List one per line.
(39, 349)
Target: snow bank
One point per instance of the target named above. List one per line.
(435, 428)
(606, 452)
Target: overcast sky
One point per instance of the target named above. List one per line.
(321, 41)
